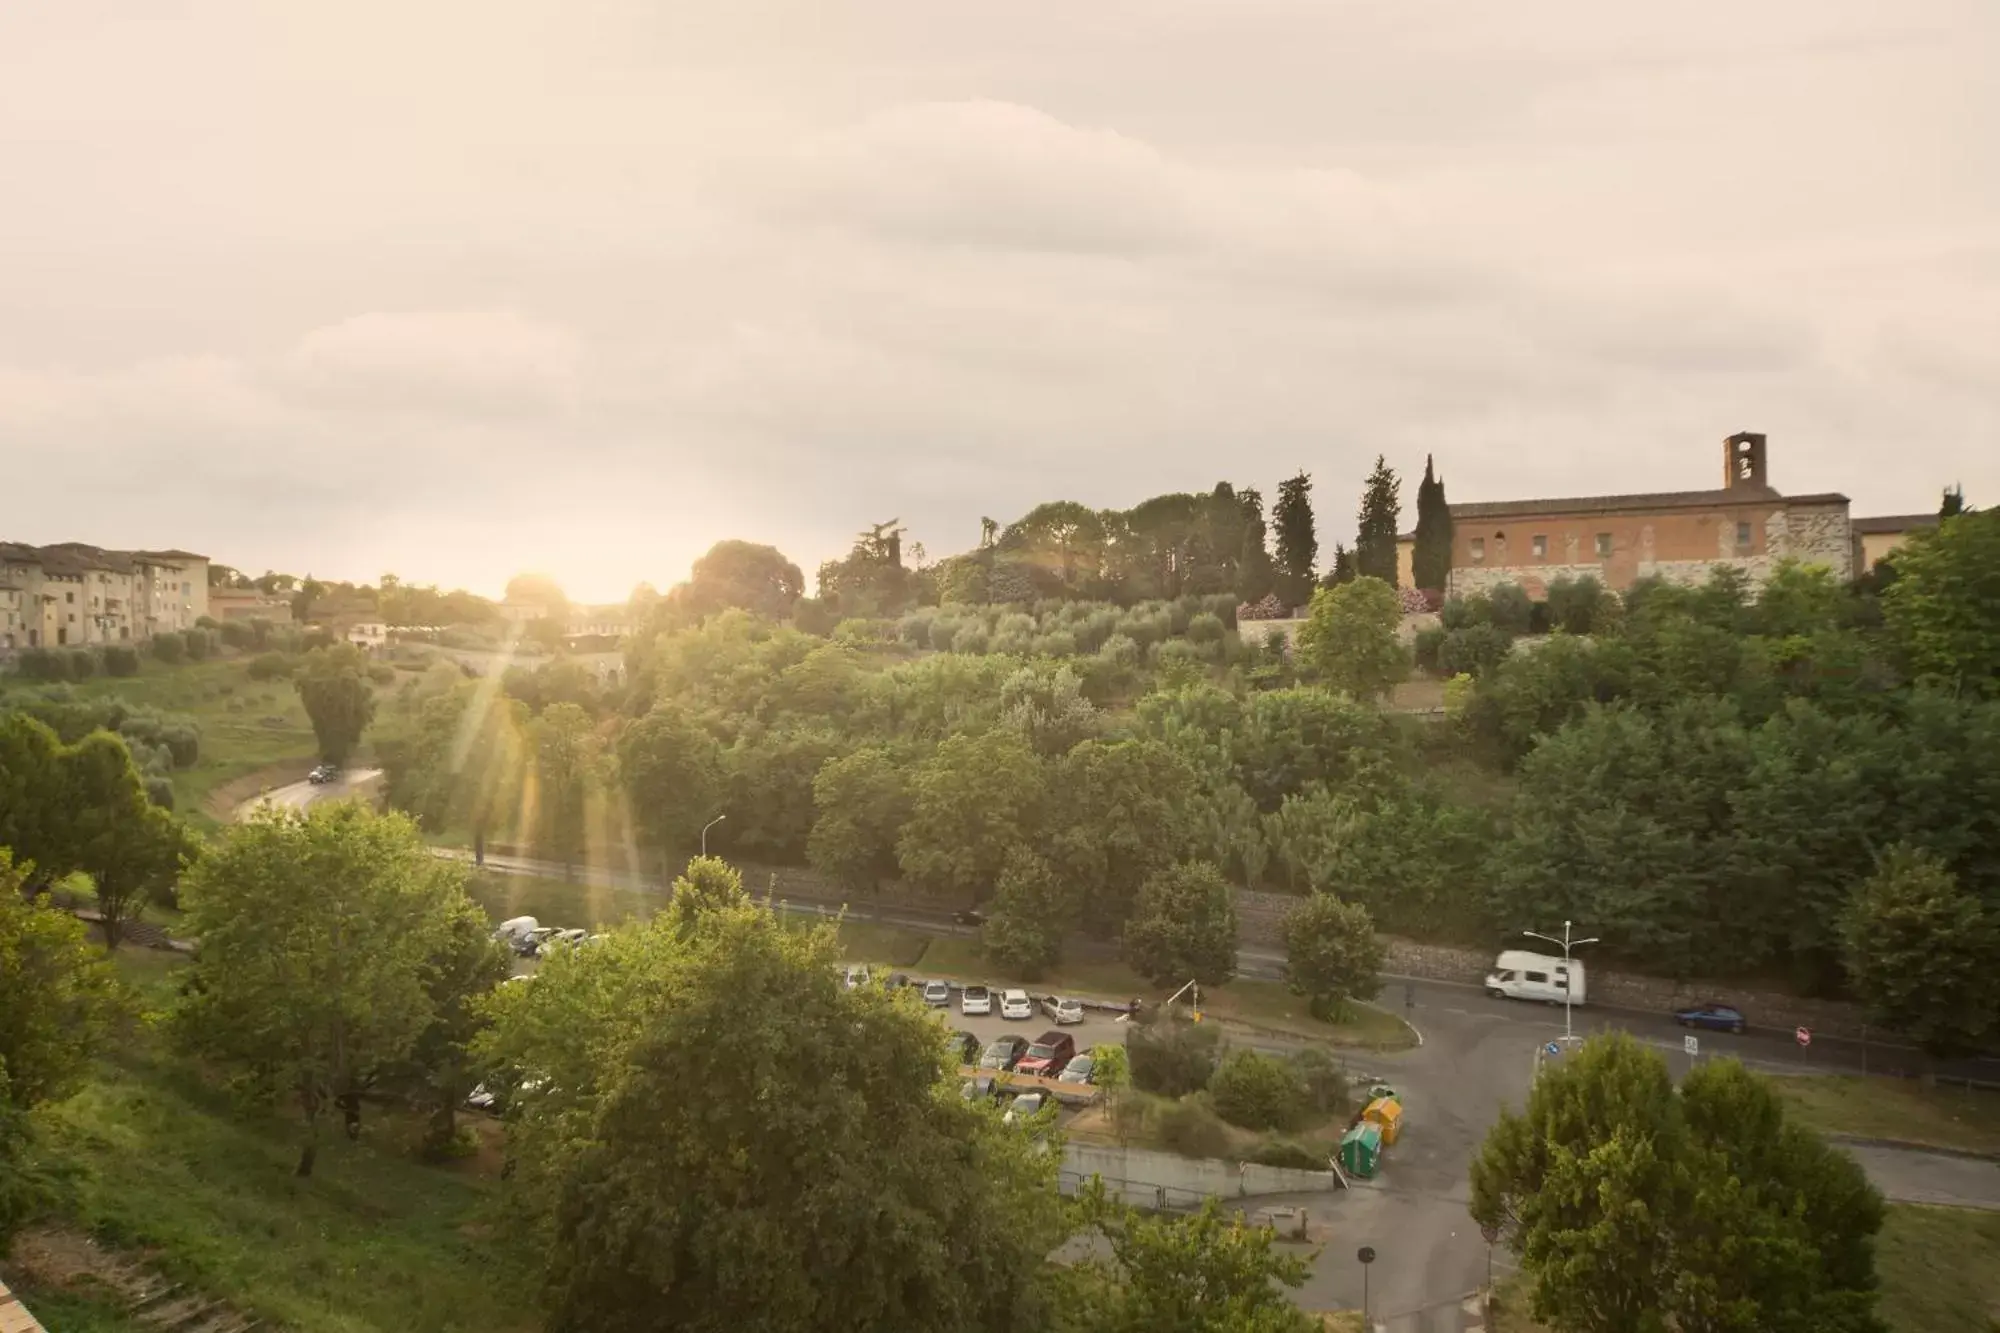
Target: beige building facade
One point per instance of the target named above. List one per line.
(1679, 536)
(74, 595)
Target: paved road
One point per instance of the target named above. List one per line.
(299, 795)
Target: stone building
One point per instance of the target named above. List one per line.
(73, 594)
(1675, 535)
(1875, 538)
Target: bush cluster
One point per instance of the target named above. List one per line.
(1172, 1057)
(1064, 629)
(1258, 1091)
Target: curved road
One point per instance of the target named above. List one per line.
(1477, 1054)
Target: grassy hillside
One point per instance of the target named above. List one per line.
(246, 725)
(166, 1166)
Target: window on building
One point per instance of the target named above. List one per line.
(1478, 549)
(1603, 544)
(1540, 543)
(69, 597)
(62, 635)
(1743, 535)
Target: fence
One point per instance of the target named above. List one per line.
(1151, 1179)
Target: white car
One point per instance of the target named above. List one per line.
(1016, 1004)
(975, 1000)
(856, 978)
(1063, 1010)
(937, 994)
(1024, 1107)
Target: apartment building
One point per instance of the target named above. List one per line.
(73, 594)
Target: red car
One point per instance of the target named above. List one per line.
(1046, 1058)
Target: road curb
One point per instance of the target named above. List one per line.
(1910, 1145)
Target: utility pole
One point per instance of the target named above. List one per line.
(1567, 944)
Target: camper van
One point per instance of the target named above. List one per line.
(1532, 976)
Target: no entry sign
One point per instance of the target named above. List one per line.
(1805, 1036)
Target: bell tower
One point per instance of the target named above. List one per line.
(1744, 462)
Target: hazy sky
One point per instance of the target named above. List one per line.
(456, 289)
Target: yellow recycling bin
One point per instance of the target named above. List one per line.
(1387, 1113)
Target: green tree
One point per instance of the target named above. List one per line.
(1332, 954)
(466, 964)
(1579, 606)
(756, 578)
(541, 592)
(564, 757)
(840, 1187)
(1298, 543)
(1430, 561)
(1342, 570)
(34, 819)
(708, 885)
(974, 800)
(1582, 1185)
(318, 933)
(132, 850)
(1256, 576)
(1030, 914)
(1048, 708)
(670, 770)
(1183, 926)
(863, 801)
(1351, 638)
(58, 997)
(1118, 816)
(1941, 610)
(1919, 952)
(1200, 1273)
(1379, 518)
(333, 685)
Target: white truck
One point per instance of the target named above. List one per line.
(1518, 975)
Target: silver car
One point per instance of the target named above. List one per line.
(975, 1000)
(1063, 1010)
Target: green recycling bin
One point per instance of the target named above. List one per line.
(1361, 1149)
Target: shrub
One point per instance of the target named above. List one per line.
(971, 640)
(1120, 650)
(382, 674)
(1172, 1057)
(1258, 1091)
(121, 660)
(1192, 1130)
(82, 664)
(199, 642)
(43, 664)
(1510, 608)
(1268, 607)
(1426, 646)
(1473, 651)
(1205, 628)
(1325, 1082)
(169, 648)
(1288, 1153)
(1056, 643)
(160, 791)
(1412, 601)
(270, 666)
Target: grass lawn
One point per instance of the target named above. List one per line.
(245, 724)
(1260, 1004)
(165, 1166)
(1896, 1108)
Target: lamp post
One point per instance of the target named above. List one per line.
(1567, 944)
(704, 831)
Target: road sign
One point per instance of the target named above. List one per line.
(1805, 1036)
(1691, 1044)
(1366, 1254)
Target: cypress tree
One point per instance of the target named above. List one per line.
(1255, 576)
(1381, 507)
(1298, 547)
(1430, 563)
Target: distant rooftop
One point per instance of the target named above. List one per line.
(1894, 523)
(1643, 503)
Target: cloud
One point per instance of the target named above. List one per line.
(471, 362)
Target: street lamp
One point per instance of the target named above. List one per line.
(1567, 944)
(704, 832)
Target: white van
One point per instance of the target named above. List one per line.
(1518, 975)
(513, 930)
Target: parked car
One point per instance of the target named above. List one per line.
(1016, 1004)
(1062, 1010)
(967, 1046)
(975, 1000)
(1077, 1070)
(480, 1098)
(855, 977)
(1003, 1052)
(969, 918)
(1046, 1058)
(529, 945)
(973, 1089)
(1025, 1106)
(324, 773)
(562, 939)
(1715, 1017)
(512, 929)
(937, 995)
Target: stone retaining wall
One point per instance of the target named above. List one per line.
(1150, 1179)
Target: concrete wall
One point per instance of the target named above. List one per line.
(1150, 1179)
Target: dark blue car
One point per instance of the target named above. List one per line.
(1715, 1017)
